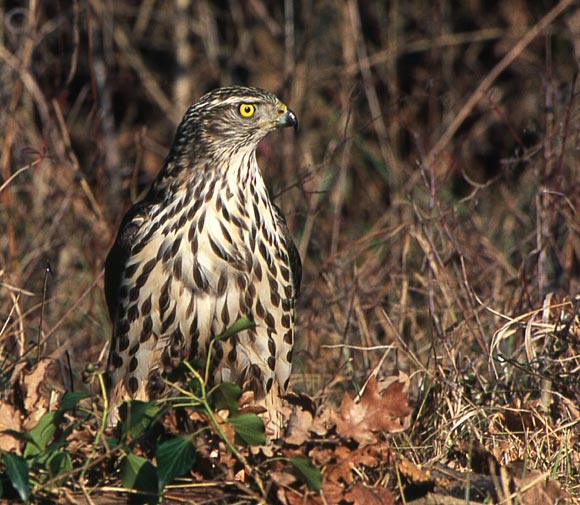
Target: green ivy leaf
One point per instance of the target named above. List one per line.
(17, 471)
(249, 429)
(138, 416)
(18, 435)
(307, 471)
(174, 458)
(139, 473)
(226, 396)
(42, 459)
(59, 463)
(70, 400)
(42, 434)
(243, 323)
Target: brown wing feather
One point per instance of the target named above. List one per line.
(118, 256)
(293, 255)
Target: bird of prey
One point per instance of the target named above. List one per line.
(205, 247)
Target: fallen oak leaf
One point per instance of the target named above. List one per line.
(330, 493)
(341, 469)
(536, 487)
(377, 411)
(322, 455)
(345, 461)
(282, 478)
(300, 410)
(298, 430)
(222, 418)
(400, 407)
(322, 423)
(35, 402)
(370, 495)
(9, 421)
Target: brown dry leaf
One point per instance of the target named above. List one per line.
(370, 455)
(370, 495)
(252, 409)
(226, 459)
(226, 427)
(322, 455)
(35, 402)
(346, 460)
(282, 495)
(322, 423)
(299, 409)
(535, 487)
(195, 416)
(9, 420)
(282, 478)
(341, 469)
(413, 473)
(298, 430)
(246, 399)
(31, 383)
(376, 411)
(332, 493)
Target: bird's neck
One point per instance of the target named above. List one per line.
(235, 179)
(244, 179)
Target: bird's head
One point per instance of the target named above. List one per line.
(232, 119)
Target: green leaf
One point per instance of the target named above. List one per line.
(59, 463)
(174, 458)
(18, 435)
(243, 323)
(138, 416)
(70, 400)
(17, 471)
(249, 429)
(308, 472)
(139, 473)
(226, 396)
(42, 434)
(42, 459)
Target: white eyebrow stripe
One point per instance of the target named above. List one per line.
(234, 100)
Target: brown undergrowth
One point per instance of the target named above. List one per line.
(433, 190)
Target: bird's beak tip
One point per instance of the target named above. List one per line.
(288, 119)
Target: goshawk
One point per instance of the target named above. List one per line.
(205, 247)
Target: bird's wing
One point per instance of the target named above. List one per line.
(293, 255)
(119, 254)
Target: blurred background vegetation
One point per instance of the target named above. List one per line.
(433, 185)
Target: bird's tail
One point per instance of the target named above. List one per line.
(273, 417)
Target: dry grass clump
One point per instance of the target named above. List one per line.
(432, 188)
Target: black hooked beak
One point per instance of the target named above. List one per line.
(288, 119)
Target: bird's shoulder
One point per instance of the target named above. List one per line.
(120, 252)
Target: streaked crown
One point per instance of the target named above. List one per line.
(233, 118)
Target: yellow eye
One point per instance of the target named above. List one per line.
(247, 110)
